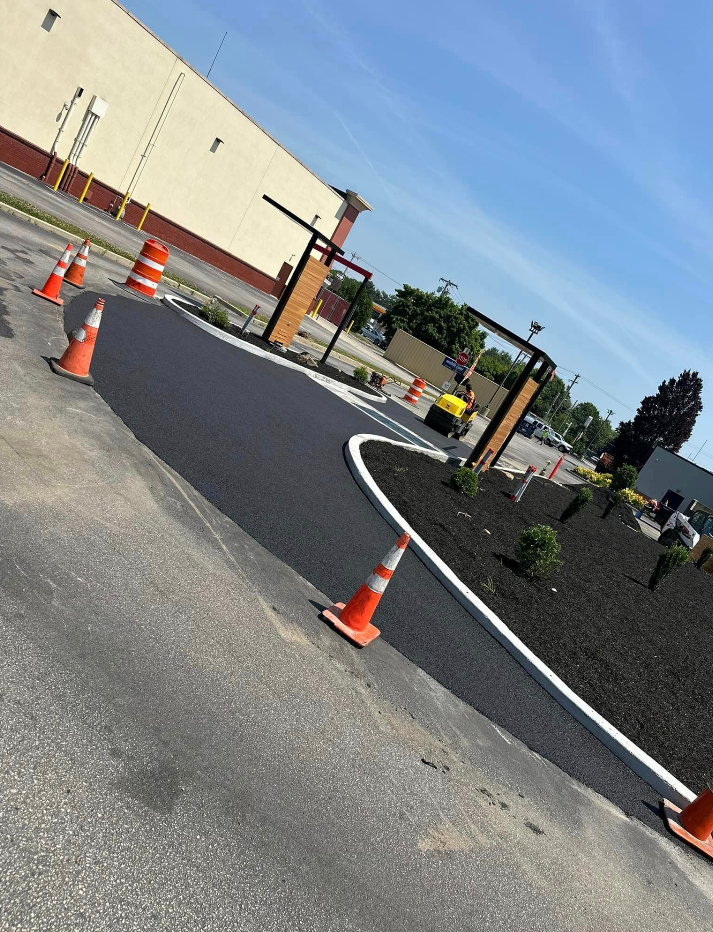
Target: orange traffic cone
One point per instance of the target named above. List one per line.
(54, 282)
(693, 824)
(77, 358)
(75, 273)
(353, 620)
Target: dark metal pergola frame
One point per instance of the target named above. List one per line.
(332, 252)
(544, 374)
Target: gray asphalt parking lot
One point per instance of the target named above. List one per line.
(184, 744)
(264, 445)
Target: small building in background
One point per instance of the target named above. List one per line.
(666, 472)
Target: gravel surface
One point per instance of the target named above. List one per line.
(640, 658)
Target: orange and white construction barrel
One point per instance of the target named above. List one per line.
(148, 268)
(414, 392)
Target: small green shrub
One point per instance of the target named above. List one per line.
(537, 551)
(580, 501)
(704, 557)
(215, 315)
(624, 478)
(671, 559)
(614, 499)
(601, 479)
(361, 374)
(465, 481)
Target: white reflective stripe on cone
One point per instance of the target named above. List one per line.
(80, 335)
(60, 271)
(391, 560)
(94, 317)
(150, 263)
(80, 260)
(376, 583)
(142, 281)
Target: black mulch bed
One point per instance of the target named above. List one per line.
(642, 659)
(293, 356)
(331, 371)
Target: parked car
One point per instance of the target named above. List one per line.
(553, 439)
(527, 425)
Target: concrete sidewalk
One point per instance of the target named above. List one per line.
(185, 746)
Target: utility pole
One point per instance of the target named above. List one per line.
(447, 283)
(609, 414)
(566, 392)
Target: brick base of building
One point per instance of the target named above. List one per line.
(34, 161)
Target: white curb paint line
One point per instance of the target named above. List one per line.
(664, 783)
(173, 303)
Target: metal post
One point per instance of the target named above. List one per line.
(144, 215)
(62, 170)
(287, 293)
(483, 462)
(249, 319)
(557, 466)
(86, 188)
(529, 473)
(345, 320)
(122, 206)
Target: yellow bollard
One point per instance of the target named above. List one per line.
(62, 170)
(123, 205)
(350, 327)
(143, 216)
(315, 312)
(86, 187)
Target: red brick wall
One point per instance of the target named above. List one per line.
(29, 158)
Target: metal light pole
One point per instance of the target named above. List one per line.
(534, 329)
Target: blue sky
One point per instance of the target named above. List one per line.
(551, 157)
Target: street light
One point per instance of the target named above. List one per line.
(534, 329)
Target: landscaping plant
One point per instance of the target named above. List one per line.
(215, 315)
(704, 557)
(601, 479)
(361, 374)
(537, 551)
(614, 499)
(671, 559)
(465, 481)
(579, 502)
(624, 478)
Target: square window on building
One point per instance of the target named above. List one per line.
(50, 19)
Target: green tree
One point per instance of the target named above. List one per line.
(665, 419)
(364, 310)
(494, 364)
(435, 319)
(550, 397)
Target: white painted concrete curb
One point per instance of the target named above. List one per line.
(664, 783)
(172, 302)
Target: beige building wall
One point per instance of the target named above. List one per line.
(98, 45)
(425, 361)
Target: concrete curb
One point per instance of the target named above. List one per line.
(664, 783)
(98, 250)
(171, 302)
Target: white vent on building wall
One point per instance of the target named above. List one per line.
(50, 19)
(216, 143)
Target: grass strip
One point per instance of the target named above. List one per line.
(19, 204)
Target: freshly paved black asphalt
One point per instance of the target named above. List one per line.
(265, 445)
